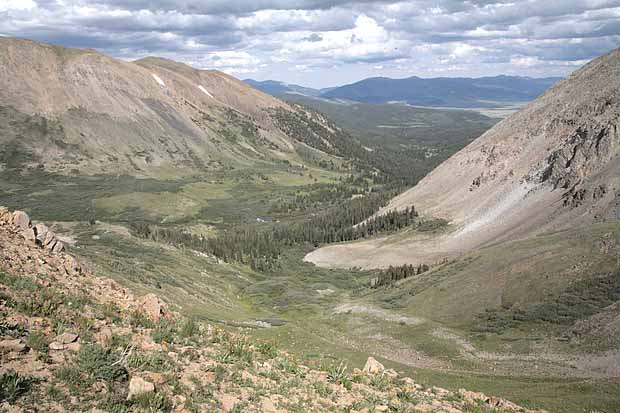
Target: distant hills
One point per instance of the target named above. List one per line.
(481, 92)
(276, 88)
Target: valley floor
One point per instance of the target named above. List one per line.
(433, 326)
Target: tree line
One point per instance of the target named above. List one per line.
(261, 248)
(393, 274)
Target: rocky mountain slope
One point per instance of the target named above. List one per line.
(72, 110)
(71, 341)
(551, 166)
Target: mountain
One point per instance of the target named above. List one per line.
(72, 110)
(551, 166)
(444, 92)
(280, 89)
(525, 256)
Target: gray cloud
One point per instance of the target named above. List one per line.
(325, 42)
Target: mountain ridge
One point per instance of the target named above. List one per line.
(463, 92)
(145, 117)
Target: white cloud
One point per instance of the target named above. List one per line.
(322, 42)
(8, 5)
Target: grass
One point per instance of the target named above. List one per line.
(13, 386)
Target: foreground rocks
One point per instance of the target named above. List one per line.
(76, 342)
(38, 234)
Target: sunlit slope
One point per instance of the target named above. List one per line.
(152, 117)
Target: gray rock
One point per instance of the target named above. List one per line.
(10, 346)
(41, 231)
(5, 215)
(29, 235)
(50, 240)
(58, 247)
(66, 338)
(56, 346)
(152, 306)
(21, 219)
(373, 366)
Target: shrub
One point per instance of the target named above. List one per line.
(100, 363)
(13, 386)
(139, 319)
(40, 304)
(152, 402)
(39, 343)
(336, 373)
(268, 350)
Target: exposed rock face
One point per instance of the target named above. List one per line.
(41, 231)
(564, 144)
(14, 345)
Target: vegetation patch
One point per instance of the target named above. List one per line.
(580, 300)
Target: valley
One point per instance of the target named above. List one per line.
(276, 219)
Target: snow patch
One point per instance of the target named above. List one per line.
(158, 80)
(205, 91)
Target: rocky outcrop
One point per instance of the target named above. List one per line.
(38, 234)
(152, 306)
(372, 366)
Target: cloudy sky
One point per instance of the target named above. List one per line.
(323, 43)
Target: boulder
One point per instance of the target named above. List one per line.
(29, 235)
(50, 240)
(139, 386)
(66, 338)
(56, 346)
(21, 219)
(58, 247)
(41, 230)
(391, 373)
(372, 366)
(72, 265)
(152, 306)
(12, 346)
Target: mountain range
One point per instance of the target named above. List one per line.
(480, 92)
